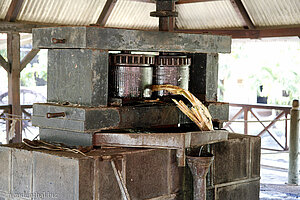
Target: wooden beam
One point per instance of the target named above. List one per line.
(254, 34)
(193, 1)
(13, 10)
(28, 58)
(108, 8)
(13, 55)
(4, 64)
(178, 2)
(21, 27)
(242, 13)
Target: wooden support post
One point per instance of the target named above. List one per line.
(293, 175)
(4, 64)
(13, 55)
(28, 58)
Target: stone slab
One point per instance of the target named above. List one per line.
(21, 172)
(5, 170)
(204, 76)
(64, 175)
(67, 137)
(91, 119)
(232, 159)
(245, 191)
(219, 111)
(78, 76)
(122, 39)
(58, 177)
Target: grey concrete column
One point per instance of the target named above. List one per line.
(294, 145)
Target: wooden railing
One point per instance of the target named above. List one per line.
(246, 109)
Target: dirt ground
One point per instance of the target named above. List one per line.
(274, 176)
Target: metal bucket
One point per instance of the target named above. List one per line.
(131, 75)
(173, 70)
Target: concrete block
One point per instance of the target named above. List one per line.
(71, 138)
(63, 175)
(232, 159)
(219, 111)
(255, 143)
(55, 176)
(211, 77)
(204, 76)
(5, 170)
(21, 172)
(121, 39)
(108, 185)
(86, 179)
(142, 182)
(78, 76)
(245, 191)
(87, 119)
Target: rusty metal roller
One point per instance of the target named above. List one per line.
(131, 75)
(172, 70)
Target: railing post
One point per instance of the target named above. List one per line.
(294, 145)
(246, 109)
(286, 131)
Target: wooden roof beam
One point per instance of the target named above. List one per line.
(13, 10)
(242, 13)
(107, 10)
(22, 27)
(253, 34)
(179, 1)
(193, 1)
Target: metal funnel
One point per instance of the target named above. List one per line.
(199, 167)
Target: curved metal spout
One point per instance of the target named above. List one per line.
(199, 167)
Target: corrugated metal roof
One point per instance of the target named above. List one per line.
(133, 14)
(136, 15)
(204, 15)
(70, 12)
(4, 5)
(273, 12)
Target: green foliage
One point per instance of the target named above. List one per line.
(31, 73)
(273, 64)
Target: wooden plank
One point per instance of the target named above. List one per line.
(178, 2)
(21, 26)
(108, 7)
(28, 58)
(253, 34)
(194, 1)
(13, 55)
(4, 64)
(242, 13)
(13, 10)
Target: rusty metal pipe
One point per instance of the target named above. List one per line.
(199, 167)
(55, 115)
